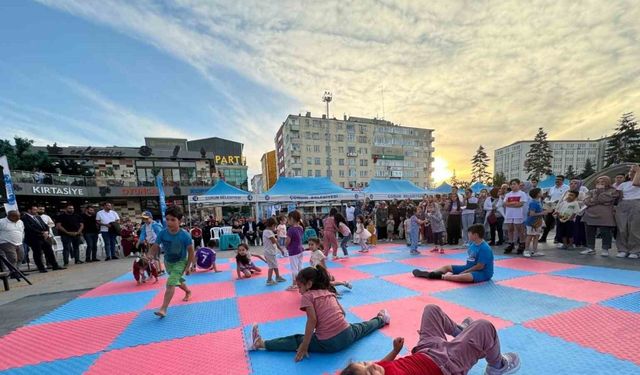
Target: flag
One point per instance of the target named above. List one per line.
(10, 195)
(163, 202)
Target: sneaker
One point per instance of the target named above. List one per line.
(537, 254)
(420, 273)
(633, 256)
(292, 288)
(510, 365)
(271, 282)
(509, 249)
(414, 252)
(384, 315)
(280, 279)
(604, 253)
(587, 252)
(255, 337)
(560, 245)
(346, 256)
(465, 323)
(348, 285)
(527, 254)
(621, 254)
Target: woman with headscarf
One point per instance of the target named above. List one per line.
(598, 215)
(628, 216)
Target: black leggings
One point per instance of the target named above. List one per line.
(454, 229)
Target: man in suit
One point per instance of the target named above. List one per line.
(250, 230)
(37, 237)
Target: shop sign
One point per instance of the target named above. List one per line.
(61, 191)
(387, 157)
(138, 191)
(94, 151)
(227, 159)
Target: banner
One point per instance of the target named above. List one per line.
(11, 204)
(163, 202)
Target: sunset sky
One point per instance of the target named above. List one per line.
(478, 72)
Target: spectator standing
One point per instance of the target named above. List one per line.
(90, 233)
(47, 219)
(553, 196)
(382, 214)
(468, 214)
(495, 216)
(70, 226)
(628, 216)
(12, 237)
(38, 237)
(598, 215)
(109, 227)
(454, 218)
(351, 217)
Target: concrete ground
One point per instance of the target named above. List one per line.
(23, 303)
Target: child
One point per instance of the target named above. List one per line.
(472, 341)
(391, 228)
(362, 234)
(271, 248)
(535, 224)
(143, 269)
(244, 265)
(327, 330)
(344, 230)
(401, 228)
(566, 212)
(437, 226)
(406, 224)
(414, 230)
(206, 257)
(318, 258)
(282, 231)
(514, 216)
(479, 265)
(294, 246)
(371, 227)
(178, 256)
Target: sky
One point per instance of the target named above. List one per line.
(101, 72)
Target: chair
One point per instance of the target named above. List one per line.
(215, 233)
(227, 230)
(100, 244)
(57, 245)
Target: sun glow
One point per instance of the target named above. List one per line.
(441, 172)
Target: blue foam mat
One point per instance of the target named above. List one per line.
(91, 307)
(501, 273)
(508, 303)
(384, 269)
(369, 291)
(181, 321)
(206, 277)
(70, 366)
(629, 302)
(257, 285)
(607, 275)
(397, 255)
(464, 256)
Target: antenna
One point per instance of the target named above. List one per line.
(327, 99)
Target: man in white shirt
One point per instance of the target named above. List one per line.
(351, 217)
(552, 197)
(11, 238)
(46, 218)
(514, 216)
(108, 220)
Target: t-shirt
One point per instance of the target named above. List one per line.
(556, 193)
(351, 213)
(105, 218)
(205, 257)
(514, 212)
(282, 230)
(174, 245)
(90, 225)
(567, 209)
(331, 320)
(295, 240)
(344, 230)
(536, 207)
(481, 253)
(269, 248)
(414, 227)
(415, 364)
(316, 258)
(149, 233)
(70, 222)
(629, 192)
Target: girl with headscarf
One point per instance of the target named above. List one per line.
(599, 216)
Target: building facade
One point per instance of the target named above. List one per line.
(354, 150)
(269, 170)
(257, 184)
(126, 175)
(510, 159)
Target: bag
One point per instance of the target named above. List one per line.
(115, 228)
(492, 218)
(538, 223)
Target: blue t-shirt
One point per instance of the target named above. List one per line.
(535, 206)
(414, 227)
(174, 245)
(481, 254)
(295, 240)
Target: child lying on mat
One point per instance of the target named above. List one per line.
(244, 265)
(143, 269)
(318, 258)
(434, 355)
(327, 330)
(479, 265)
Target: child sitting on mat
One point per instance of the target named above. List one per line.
(479, 265)
(244, 265)
(206, 257)
(327, 330)
(434, 355)
(318, 258)
(178, 256)
(143, 269)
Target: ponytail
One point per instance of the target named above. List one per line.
(319, 277)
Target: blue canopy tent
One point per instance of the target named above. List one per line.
(444, 188)
(478, 186)
(306, 189)
(393, 189)
(221, 194)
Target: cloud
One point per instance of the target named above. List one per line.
(488, 72)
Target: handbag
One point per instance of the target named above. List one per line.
(492, 218)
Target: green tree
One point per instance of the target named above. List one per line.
(499, 179)
(624, 144)
(539, 157)
(588, 169)
(21, 155)
(479, 165)
(570, 173)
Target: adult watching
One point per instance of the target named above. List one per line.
(70, 226)
(109, 229)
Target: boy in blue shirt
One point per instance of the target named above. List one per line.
(178, 256)
(479, 265)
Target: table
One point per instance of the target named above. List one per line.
(309, 233)
(229, 241)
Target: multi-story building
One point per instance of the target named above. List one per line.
(510, 159)
(269, 169)
(126, 175)
(353, 150)
(257, 184)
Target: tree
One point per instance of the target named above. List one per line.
(21, 155)
(539, 157)
(570, 173)
(624, 144)
(499, 179)
(588, 169)
(479, 165)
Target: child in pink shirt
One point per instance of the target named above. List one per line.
(327, 330)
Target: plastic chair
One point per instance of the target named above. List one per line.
(215, 233)
(227, 230)
(100, 244)
(57, 245)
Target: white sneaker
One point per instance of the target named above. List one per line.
(559, 245)
(621, 254)
(604, 253)
(527, 254)
(510, 362)
(587, 252)
(384, 315)
(537, 254)
(633, 256)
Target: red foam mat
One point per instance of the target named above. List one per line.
(531, 265)
(199, 293)
(262, 308)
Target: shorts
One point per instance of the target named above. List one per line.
(282, 241)
(176, 272)
(478, 276)
(272, 262)
(531, 231)
(296, 264)
(565, 230)
(514, 221)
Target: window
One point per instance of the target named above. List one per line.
(309, 148)
(328, 161)
(327, 149)
(307, 135)
(352, 162)
(329, 174)
(364, 162)
(351, 128)
(340, 161)
(341, 173)
(316, 148)
(352, 172)
(315, 136)
(362, 139)
(363, 173)
(318, 173)
(351, 137)
(341, 150)
(351, 150)
(309, 173)
(339, 137)
(317, 161)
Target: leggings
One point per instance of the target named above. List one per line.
(329, 241)
(343, 244)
